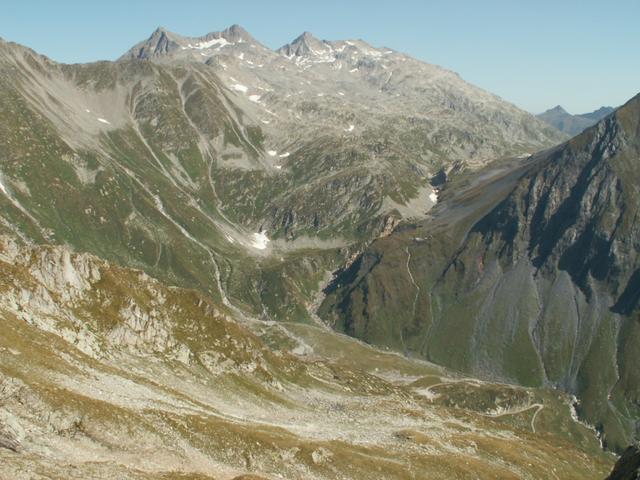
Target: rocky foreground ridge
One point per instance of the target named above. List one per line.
(107, 373)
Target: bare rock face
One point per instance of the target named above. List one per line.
(10, 431)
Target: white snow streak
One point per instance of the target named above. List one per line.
(220, 42)
(240, 88)
(260, 240)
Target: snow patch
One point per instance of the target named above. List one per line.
(285, 155)
(350, 129)
(239, 88)
(272, 153)
(241, 56)
(220, 42)
(260, 240)
(254, 98)
(372, 53)
(102, 120)
(353, 70)
(433, 196)
(278, 167)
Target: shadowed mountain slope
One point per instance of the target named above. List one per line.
(526, 273)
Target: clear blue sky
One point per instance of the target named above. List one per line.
(535, 53)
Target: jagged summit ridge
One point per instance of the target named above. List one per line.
(163, 42)
(164, 45)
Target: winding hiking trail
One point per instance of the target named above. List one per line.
(427, 392)
(538, 406)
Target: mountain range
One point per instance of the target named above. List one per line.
(217, 151)
(572, 125)
(187, 233)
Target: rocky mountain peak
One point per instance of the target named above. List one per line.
(159, 31)
(558, 109)
(304, 44)
(160, 42)
(237, 34)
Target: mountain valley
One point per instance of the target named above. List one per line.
(329, 260)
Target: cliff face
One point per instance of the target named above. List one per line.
(541, 290)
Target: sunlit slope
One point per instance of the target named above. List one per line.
(105, 372)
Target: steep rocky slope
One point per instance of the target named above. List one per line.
(107, 373)
(525, 273)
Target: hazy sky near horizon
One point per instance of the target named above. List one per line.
(536, 54)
